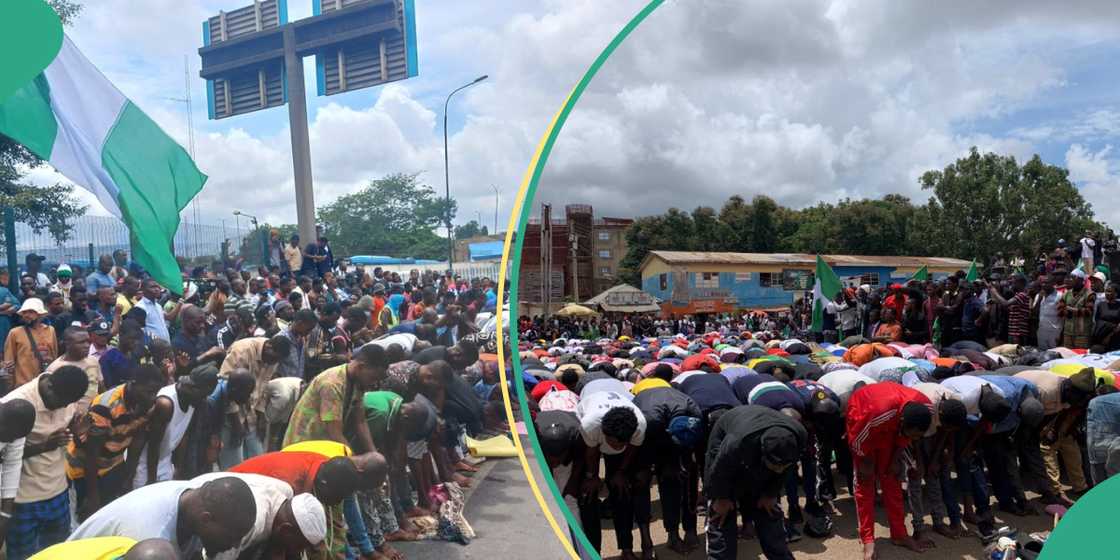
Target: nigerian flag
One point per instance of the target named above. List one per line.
(76, 120)
(825, 288)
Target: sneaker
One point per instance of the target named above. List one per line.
(792, 534)
(990, 535)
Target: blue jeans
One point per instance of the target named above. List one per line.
(970, 480)
(232, 455)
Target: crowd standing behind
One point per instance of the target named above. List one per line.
(307, 408)
(928, 398)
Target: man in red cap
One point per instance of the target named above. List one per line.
(883, 419)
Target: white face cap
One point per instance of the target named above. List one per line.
(311, 518)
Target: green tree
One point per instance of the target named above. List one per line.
(987, 204)
(395, 215)
(710, 234)
(470, 229)
(672, 231)
(47, 208)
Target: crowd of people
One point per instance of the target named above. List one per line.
(926, 399)
(291, 411)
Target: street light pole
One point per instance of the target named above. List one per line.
(497, 198)
(447, 174)
(256, 229)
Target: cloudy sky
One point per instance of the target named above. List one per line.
(802, 100)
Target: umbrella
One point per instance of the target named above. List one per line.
(576, 310)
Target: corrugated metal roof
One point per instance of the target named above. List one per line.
(803, 259)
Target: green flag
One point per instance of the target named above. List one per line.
(825, 288)
(77, 120)
(973, 274)
(922, 274)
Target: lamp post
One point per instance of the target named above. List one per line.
(447, 174)
(264, 238)
(497, 199)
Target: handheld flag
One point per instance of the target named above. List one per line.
(922, 274)
(76, 119)
(973, 274)
(825, 288)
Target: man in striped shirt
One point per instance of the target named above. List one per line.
(1018, 309)
(95, 460)
(882, 421)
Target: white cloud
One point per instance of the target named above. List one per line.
(1098, 176)
(803, 100)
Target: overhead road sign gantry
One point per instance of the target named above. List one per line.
(252, 59)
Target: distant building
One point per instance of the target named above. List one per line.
(480, 248)
(697, 282)
(609, 239)
(569, 258)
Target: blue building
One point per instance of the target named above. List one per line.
(698, 282)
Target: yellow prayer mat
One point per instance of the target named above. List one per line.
(497, 446)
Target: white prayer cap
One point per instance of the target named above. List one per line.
(311, 518)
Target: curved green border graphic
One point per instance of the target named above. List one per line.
(528, 192)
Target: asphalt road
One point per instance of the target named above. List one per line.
(505, 516)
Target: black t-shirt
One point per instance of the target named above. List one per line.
(660, 405)
(192, 346)
(463, 405)
(558, 430)
(429, 355)
(709, 391)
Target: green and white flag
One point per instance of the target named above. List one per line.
(973, 273)
(921, 275)
(825, 288)
(76, 120)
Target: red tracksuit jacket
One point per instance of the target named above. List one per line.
(874, 413)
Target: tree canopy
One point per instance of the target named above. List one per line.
(982, 206)
(470, 229)
(396, 215)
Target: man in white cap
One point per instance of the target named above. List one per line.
(64, 282)
(285, 525)
(31, 348)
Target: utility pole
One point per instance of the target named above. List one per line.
(497, 199)
(573, 243)
(301, 143)
(447, 174)
(252, 59)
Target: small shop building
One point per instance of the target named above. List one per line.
(687, 282)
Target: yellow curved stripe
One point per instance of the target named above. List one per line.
(522, 191)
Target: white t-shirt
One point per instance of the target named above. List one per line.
(936, 393)
(1087, 245)
(968, 387)
(875, 367)
(269, 494)
(591, 409)
(605, 385)
(176, 429)
(404, 340)
(686, 374)
(843, 383)
(145, 513)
